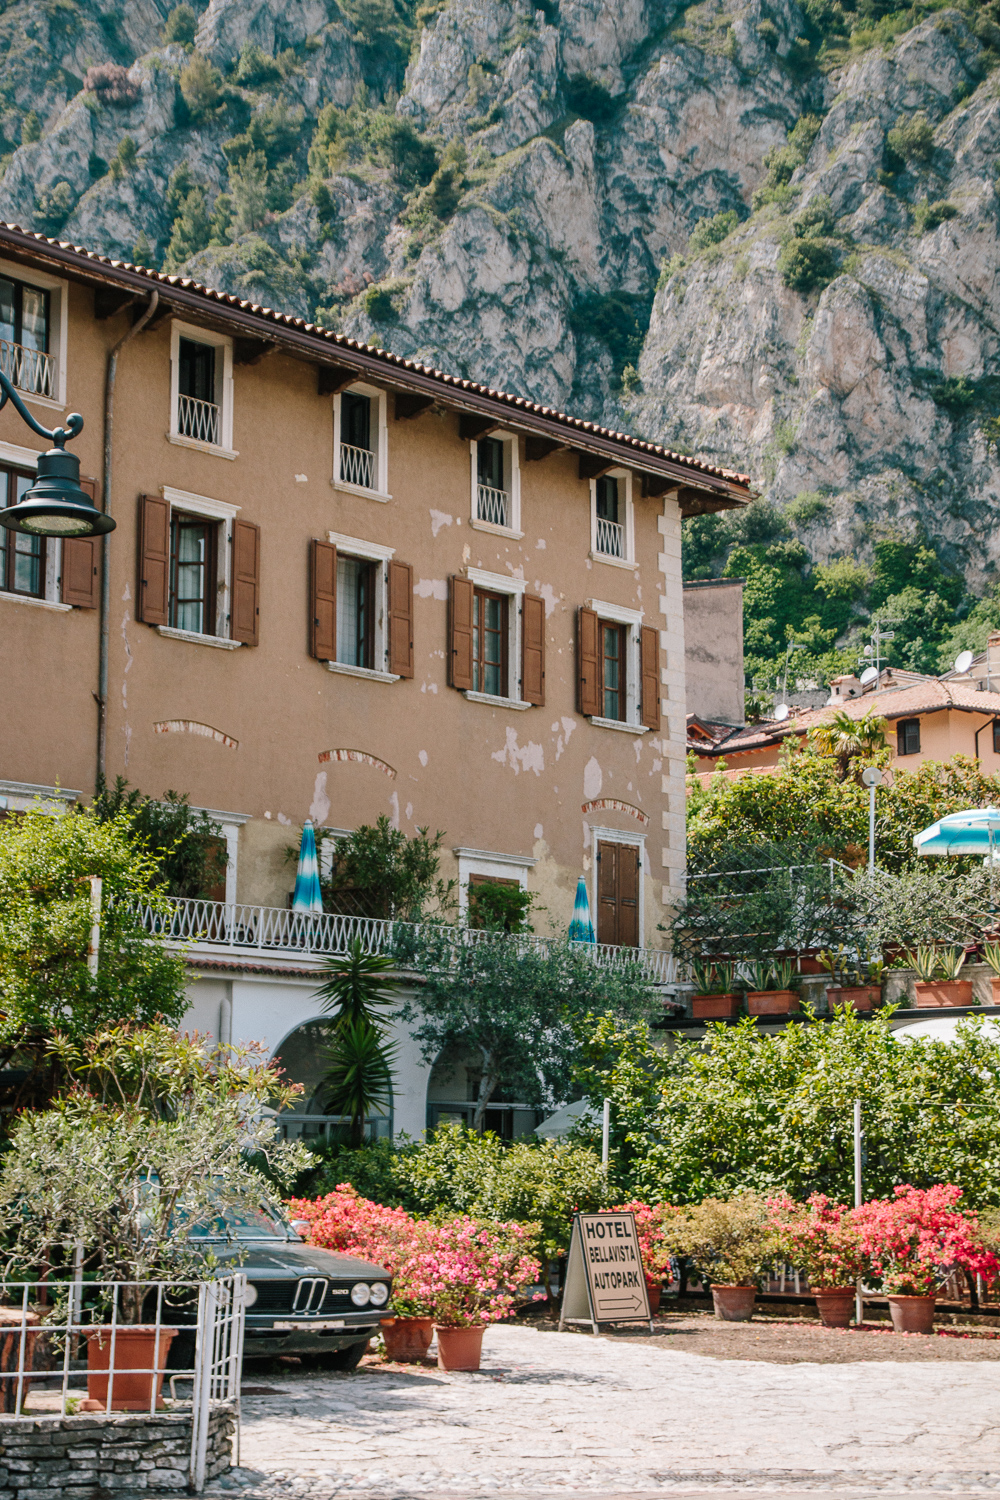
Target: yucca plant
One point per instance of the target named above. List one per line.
(758, 974)
(991, 953)
(783, 973)
(706, 977)
(729, 974)
(923, 962)
(950, 961)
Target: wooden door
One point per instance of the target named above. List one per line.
(618, 894)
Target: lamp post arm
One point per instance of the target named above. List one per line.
(58, 436)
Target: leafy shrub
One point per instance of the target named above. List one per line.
(927, 216)
(377, 871)
(806, 265)
(500, 908)
(669, 269)
(188, 848)
(619, 320)
(201, 86)
(181, 26)
(807, 506)
(713, 231)
(956, 394)
(911, 1241)
(53, 208)
(111, 84)
(254, 65)
(190, 229)
(730, 1241)
(912, 139)
(768, 33)
(395, 142)
(816, 218)
(31, 128)
(586, 97)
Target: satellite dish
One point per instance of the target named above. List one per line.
(963, 661)
(867, 651)
(781, 712)
(870, 674)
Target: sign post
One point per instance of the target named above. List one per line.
(604, 1276)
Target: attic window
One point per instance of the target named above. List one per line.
(908, 737)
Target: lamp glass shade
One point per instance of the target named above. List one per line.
(55, 505)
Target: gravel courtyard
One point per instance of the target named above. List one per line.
(551, 1414)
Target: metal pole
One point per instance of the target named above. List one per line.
(859, 1310)
(871, 828)
(94, 947)
(606, 1135)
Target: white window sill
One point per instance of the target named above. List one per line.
(197, 639)
(369, 672)
(38, 603)
(618, 724)
(47, 401)
(614, 562)
(495, 530)
(494, 701)
(200, 447)
(359, 489)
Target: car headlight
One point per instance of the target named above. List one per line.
(251, 1294)
(380, 1293)
(361, 1294)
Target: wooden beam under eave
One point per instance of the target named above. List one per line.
(408, 405)
(333, 378)
(470, 428)
(536, 448)
(251, 351)
(592, 466)
(109, 300)
(695, 502)
(656, 485)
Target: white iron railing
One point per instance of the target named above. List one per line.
(610, 538)
(63, 1342)
(198, 419)
(31, 370)
(275, 929)
(357, 466)
(492, 505)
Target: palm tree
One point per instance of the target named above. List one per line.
(355, 986)
(356, 992)
(847, 738)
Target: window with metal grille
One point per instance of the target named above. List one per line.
(489, 643)
(357, 455)
(908, 737)
(355, 612)
(24, 337)
(610, 530)
(197, 405)
(22, 557)
(492, 496)
(192, 573)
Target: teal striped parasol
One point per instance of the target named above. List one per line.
(307, 897)
(581, 929)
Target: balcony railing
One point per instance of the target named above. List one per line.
(31, 370)
(198, 419)
(493, 505)
(276, 930)
(610, 538)
(357, 466)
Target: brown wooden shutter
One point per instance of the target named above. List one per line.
(533, 651)
(323, 600)
(649, 643)
(628, 895)
(401, 619)
(80, 562)
(245, 619)
(460, 652)
(607, 893)
(589, 662)
(154, 560)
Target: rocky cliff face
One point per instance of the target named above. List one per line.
(698, 222)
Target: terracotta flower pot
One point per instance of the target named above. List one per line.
(861, 996)
(912, 1314)
(10, 1354)
(995, 984)
(134, 1380)
(654, 1293)
(943, 992)
(460, 1348)
(407, 1340)
(734, 1304)
(835, 1305)
(772, 1002)
(808, 965)
(715, 1007)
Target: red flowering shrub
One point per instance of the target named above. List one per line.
(654, 1243)
(111, 83)
(819, 1237)
(912, 1240)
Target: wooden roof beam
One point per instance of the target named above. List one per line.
(656, 485)
(408, 405)
(536, 448)
(592, 466)
(472, 427)
(109, 300)
(333, 378)
(251, 351)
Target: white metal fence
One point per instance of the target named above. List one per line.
(63, 1343)
(31, 370)
(610, 538)
(198, 419)
(492, 505)
(276, 929)
(357, 466)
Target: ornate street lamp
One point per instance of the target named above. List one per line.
(55, 505)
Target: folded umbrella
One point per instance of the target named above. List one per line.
(307, 896)
(581, 929)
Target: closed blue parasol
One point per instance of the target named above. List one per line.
(307, 897)
(976, 831)
(581, 929)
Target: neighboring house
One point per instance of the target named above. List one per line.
(713, 651)
(341, 585)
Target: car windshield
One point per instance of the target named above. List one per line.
(241, 1224)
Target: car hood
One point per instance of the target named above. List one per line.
(270, 1258)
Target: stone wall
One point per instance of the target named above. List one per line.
(88, 1457)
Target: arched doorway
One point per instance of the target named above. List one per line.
(301, 1057)
(453, 1092)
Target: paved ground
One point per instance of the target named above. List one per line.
(552, 1414)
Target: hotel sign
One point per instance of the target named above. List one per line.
(604, 1276)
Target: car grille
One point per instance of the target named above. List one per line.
(315, 1297)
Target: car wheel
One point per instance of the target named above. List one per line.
(345, 1359)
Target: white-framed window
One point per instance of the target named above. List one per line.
(488, 865)
(361, 442)
(34, 320)
(496, 484)
(619, 645)
(201, 390)
(25, 796)
(201, 566)
(230, 823)
(362, 608)
(612, 525)
(617, 886)
(496, 638)
(30, 566)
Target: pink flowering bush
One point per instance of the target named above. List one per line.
(819, 1237)
(655, 1245)
(912, 1240)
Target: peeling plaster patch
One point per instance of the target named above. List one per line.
(285, 822)
(466, 554)
(568, 725)
(657, 766)
(548, 593)
(127, 731)
(394, 804)
(409, 812)
(361, 756)
(529, 757)
(515, 572)
(439, 518)
(191, 726)
(539, 831)
(422, 757)
(302, 479)
(593, 779)
(428, 687)
(540, 544)
(638, 753)
(431, 588)
(267, 815)
(319, 808)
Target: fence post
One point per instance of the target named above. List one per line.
(202, 1392)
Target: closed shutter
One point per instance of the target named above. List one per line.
(607, 893)
(80, 562)
(533, 650)
(588, 662)
(323, 600)
(246, 582)
(460, 652)
(401, 619)
(154, 560)
(650, 654)
(618, 894)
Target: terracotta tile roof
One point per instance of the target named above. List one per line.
(124, 273)
(238, 966)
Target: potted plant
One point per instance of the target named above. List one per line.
(716, 997)
(656, 1243)
(911, 1242)
(471, 1277)
(731, 1243)
(856, 981)
(991, 953)
(948, 990)
(820, 1238)
(771, 989)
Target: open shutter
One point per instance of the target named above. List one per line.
(460, 653)
(154, 560)
(589, 662)
(650, 655)
(80, 562)
(246, 582)
(401, 619)
(323, 600)
(533, 650)
(628, 895)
